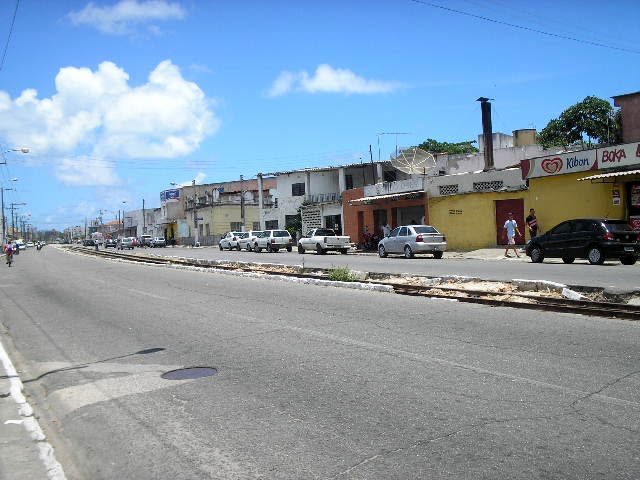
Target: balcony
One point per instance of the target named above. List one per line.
(323, 198)
(399, 186)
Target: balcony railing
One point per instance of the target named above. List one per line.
(399, 186)
(323, 198)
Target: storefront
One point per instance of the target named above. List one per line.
(603, 182)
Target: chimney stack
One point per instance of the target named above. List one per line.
(487, 133)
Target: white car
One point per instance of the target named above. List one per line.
(273, 241)
(246, 242)
(411, 239)
(230, 240)
(30, 244)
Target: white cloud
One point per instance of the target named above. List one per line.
(98, 114)
(199, 178)
(120, 18)
(327, 79)
(84, 171)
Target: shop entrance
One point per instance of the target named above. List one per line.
(503, 208)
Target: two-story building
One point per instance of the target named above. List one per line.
(316, 194)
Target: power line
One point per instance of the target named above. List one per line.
(6, 46)
(522, 27)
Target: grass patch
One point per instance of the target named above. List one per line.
(341, 274)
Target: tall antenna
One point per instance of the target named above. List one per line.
(390, 133)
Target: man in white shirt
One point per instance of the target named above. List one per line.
(511, 228)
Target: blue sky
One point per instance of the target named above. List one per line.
(117, 99)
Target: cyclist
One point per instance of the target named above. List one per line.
(8, 251)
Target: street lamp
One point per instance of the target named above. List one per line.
(21, 150)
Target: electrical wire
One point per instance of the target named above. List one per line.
(522, 27)
(6, 46)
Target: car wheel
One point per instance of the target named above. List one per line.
(256, 248)
(437, 255)
(595, 256)
(248, 247)
(300, 249)
(238, 247)
(320, 250)
(220, 246)
(568, 259)
(629, 260)
(537, 255)
(382, 253)
(408, 253)
(269, 249)
(289, 249)
(344, 251)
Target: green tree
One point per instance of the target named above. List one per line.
(593, 119)
(434, 146)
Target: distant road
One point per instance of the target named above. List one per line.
(313, 382)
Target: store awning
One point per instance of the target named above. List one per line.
(610, 175)
(390, 196)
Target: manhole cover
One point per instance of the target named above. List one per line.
(189, 373)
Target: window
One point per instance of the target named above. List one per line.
(389, 176)
(394, 232)
(290, 220)
(348, 181)
(562, 228)
(403, 232)
(448, 189)
(207, 229)
(236, 226)
(488, 186)
(297, 190)
(256, 226)
(271, 225)
(425, 229)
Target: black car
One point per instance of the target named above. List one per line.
(595, 239)
(110, 242)
(88, 242)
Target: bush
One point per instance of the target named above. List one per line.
(341, 274)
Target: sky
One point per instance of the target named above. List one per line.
(118, 99)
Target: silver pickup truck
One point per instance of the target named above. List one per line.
(321, 240)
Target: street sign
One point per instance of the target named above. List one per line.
(200, 219)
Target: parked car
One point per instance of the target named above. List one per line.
(88, 242)
(273, 241)
(596, 239)
(412, 239)
(246, 242)
(145, 240)
(110, 242)
(158, 242)
(30, 244)
(230, 240)
(127, 242)
(322, 240)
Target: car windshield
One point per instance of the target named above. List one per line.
(280, 233)
(325, 232)
(260, 234)
(615, 227)
(425, 229)
(243, 235)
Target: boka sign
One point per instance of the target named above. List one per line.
(624, 155)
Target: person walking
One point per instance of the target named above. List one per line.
(532, 223)
(8, 251)
(511, 229)
(386, 229)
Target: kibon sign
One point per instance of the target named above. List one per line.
(582, 161)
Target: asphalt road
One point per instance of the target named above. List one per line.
(313, 382)
(611, 275)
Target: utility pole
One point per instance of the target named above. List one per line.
(4, 220)
(13, 219)
(242, 202)
(144, 219)
(195, 215)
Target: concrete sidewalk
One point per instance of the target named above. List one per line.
(495, 253)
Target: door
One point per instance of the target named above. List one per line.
(503, 208)
(557, 240)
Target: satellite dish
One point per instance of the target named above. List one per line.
(414, 160)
